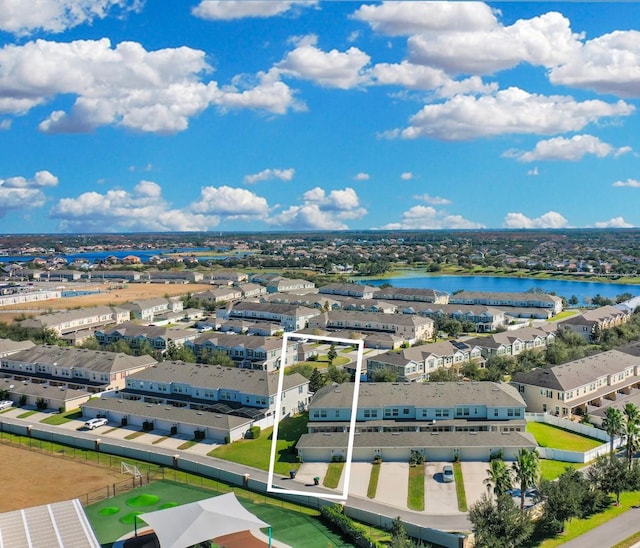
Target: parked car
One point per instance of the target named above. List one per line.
(447, 473)
(95, 423)
(5, 404)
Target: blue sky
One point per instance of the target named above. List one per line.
(126, 115)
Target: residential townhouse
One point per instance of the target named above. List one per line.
(8, 347)
(84, 319)
(485, 318)
(580, 386)
(413, 294)
(137, 335)
(355, 291)
(81, 371)
(512, 343)
(280, 284)
(219, 295)
(416, 363)
(516, 300)
(410, 328)
(29, 296)
(245, 392)
(290, 317)
(149, 309)
(591, 323)
(228, 276)
(442, 421)
(252, 352)
(251, 291)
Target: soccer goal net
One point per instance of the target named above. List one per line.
(126, 468)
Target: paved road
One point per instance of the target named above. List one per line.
(457, 522)
(610, 533)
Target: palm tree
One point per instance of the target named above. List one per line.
(613, 424)
(498, 477)
(527, 471)
(631, 429)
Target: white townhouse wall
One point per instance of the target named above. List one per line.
(69, 321)
(290, 317)
(137, 335)
(250, 291)
(252, 352)
(519, 300)
(91, 370)
(219, 295)
(442, 421)
(416, 363)
(29, 297)
(147, 309)
(349, 290)
(580, 385)
(203, 386)
(279, 284)
(410, 328)
(590, 322)
(485, 318)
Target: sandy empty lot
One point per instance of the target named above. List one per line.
(30, 478)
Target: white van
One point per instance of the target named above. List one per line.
(5, 404)
(95, 423)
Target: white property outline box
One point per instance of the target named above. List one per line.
(352, 424)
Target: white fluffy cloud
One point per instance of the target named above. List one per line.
(337, 69)
(23, 17)
(404, 18)
(321, 211)
(126, 85)
(614, 222)
(607, 64)
(575, 148)
(268, 174)
(23, 193)
(551, 219)
(239, 9)
(406, 176)
(632, 183)
(509, 111)
(142, 209)
(545, 40)
(427, 217)
(232, 203)
(361, 176)
(432, 200)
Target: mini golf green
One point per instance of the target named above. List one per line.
(143, 500)
(109, 511)
(129, 518)
(167, 505)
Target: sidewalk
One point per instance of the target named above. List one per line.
(609, 533)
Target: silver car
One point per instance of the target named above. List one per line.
(447, 473)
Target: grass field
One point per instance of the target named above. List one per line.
(557, 438)
(373, 480)
(333, 475)
(256, 452)
(460, 492)
(551, 469)
(113, 518)
(415, 498)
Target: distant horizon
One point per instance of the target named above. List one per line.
(128, 116)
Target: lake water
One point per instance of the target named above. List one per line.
(563, 288)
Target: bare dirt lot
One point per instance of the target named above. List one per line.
(109, 294)
(30, 478)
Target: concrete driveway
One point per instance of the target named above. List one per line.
(440, 497)
(393, 484)
(474, 474)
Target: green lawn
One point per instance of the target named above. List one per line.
(256, 453)
(415, 499)
(61, 418)
(373, 480)
(557, 438)
(551, 469)
(577, 527)
(460, 492)
(27, 414)
(332, 477)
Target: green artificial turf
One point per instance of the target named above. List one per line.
(557, 438)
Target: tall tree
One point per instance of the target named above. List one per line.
(499, 524)
(613, 424)
(316, 381)
(527, 471)
(498, 477)
(332, 354)
(631, 429)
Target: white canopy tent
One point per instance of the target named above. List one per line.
(189, 524)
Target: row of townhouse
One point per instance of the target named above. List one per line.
(252, 352)
(591, 323)
(356, 291)
(408, 328)
(230, 293)
(513, 343)
(413, 294)
(137, 335)
(29, 296)
(8, 347)
(518, 300)
(441, 421)
(485, 318)
(82, 372)
(70, 321)
(280, 284)
(415, 364)
(150, 309)
(587, 385)
(289, 317)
